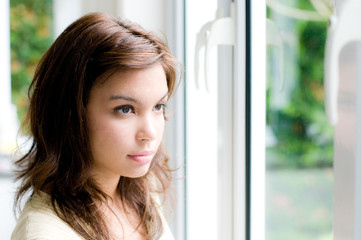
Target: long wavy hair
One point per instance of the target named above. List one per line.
(59, 160)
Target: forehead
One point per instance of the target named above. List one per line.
(123, 73)
(135, 82)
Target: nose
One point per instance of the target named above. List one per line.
(147, 129)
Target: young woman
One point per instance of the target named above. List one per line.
(96, 168)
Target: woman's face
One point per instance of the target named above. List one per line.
(125, 117)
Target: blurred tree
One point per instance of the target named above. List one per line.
(30, 36)
(302, 135)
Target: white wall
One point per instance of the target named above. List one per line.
(8, 126)
(8, 120)
(151, 15)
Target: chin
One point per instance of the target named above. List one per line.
(138, 174)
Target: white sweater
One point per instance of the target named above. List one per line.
(38, 221)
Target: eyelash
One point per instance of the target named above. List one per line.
(129, 108)
(162, 105)
(121, 109)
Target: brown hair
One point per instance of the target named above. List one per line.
(59, 160)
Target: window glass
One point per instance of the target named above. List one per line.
(299, 140)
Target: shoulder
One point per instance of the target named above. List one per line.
(167, 234)
(38, 221)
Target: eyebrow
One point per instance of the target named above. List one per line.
(129, 99)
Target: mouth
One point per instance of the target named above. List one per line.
(143, 157)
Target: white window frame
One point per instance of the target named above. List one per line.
(257, 120)
(175, 127)
(240, 181)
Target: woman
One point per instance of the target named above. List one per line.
(97, 103)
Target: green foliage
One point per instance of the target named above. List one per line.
(303, 137)
(30, 36)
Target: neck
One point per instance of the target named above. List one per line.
(108, 184)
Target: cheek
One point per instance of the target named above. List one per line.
(115, 134)
(107, 136)
(160, 128)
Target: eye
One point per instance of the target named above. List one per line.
(160, 107)
(125, 109)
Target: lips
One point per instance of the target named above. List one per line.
(143, 157)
